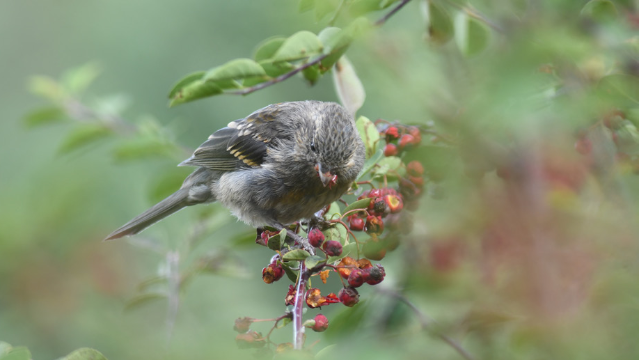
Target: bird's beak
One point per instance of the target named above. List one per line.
(327, 178)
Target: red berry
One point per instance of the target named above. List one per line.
(315, 237)
(374, 193)
(272, 272)
(406, 140)
(348, 296)
(392, 133)
(379, 207)
(415, 168)
(242, 324)
(583, 146)
(251, 339)
(374, 225)
(394, 203)
(390, 150)
(376, 275)
(417, 135)
(417, 180)
(357, 224)
(356, 278)
(332, 248)
(321, 323)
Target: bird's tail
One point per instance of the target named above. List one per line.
(159, 211)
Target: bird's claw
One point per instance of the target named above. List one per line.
(318, 222)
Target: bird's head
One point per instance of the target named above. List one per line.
(334, 148)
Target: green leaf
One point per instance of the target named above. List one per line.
(312, 74)
(284, 322)
(387, 166)
(4, 348)
(369, 134)
(325, 7)
(349, 88)
(361, 7)
(234, 70)
(305, 5)
(600, 10)
(439, 25)
(471, 35)
(188, 79)
(296, 255)
(275, 242)
(292, 275)
(347, 321)
(300, 45)
(196, 90)
(267, 48)
(359, 204)
(312, 261)
(75, 81)
(17, 353)
(333, 211)
(622, 89)
(274, 69)
(85, 354)
(143, 299)
(47, 88)
(83, 135)
(337, 42)
(144, 148)
(329, 352)
(370, 163)
(144, 285)
(44, 116)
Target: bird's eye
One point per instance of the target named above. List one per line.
(313, 146)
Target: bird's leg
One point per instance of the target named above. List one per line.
(318, 221)
(300, 240)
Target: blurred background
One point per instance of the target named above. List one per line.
(523, 248)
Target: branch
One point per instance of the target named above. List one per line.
(283, 77)
(384, 18)
(472, 12)
(277, 79)
(426, 324)
(298, 308)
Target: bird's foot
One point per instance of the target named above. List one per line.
(298, 239)
(304, 242)
(317, 221)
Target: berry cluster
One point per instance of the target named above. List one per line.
(377, 212)
(399, 138)
(623, 133)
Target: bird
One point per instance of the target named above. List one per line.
(280, 164)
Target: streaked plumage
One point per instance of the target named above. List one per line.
(270, 168)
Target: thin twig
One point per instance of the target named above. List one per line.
(385, 18)
(331, 22)
(474, 13)
(279, 78)
(317, 60)
(426, 324)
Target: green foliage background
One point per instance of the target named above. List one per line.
(559, 283)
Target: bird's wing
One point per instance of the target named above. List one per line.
(243, 143)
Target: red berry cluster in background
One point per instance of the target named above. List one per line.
(623, 133)
(399, 138)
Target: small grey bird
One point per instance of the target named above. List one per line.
(278, 165)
